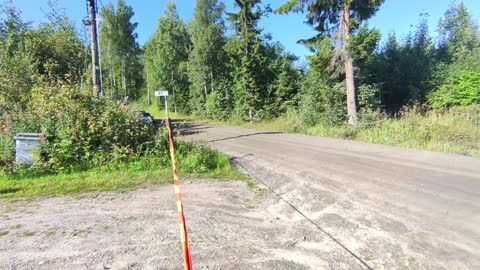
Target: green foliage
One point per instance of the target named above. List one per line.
(85, 131)
(363, 45)
(218, 104)
(166, 56)
(403, 70)
(16, 63)
(59, 54)
(369, 104)
(321, 102)
(118, 176)
(456, 131)
(285, 80)
(120, 57)
(459, 34)
(324, 15)
(97, 135)
(337, 20)
(208, 59)
(52, 50)
(462, 89)
(248, 72)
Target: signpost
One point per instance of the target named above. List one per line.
(163, 93)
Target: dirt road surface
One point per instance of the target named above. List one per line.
(229, 228)
(360, 206)
(373, 206)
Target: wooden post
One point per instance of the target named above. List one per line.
(181, 217)
(96, 84)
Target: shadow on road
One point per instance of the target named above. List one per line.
(246, 135)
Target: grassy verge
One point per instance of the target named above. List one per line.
(457, 131)
(78, 182)
(118, 177)
(454, 132)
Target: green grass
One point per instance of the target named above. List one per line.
(120, 177)
(152, 166)
(457, 131)
(158, 113)
(454, 132)
(78, 182)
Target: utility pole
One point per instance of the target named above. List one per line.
(96, 82)
(100, 93)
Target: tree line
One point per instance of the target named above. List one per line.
(242, 74)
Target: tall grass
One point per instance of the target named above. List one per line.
(455, 131)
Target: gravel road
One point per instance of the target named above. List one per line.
(386, 207)
(342, 205)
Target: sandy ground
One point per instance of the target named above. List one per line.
(230, 227)
(392, 208)
(370, 207)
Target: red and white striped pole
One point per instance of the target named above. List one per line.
(181, 217)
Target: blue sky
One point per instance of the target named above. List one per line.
(399, 16)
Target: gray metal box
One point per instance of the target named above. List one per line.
(27, 146)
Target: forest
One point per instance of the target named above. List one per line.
(412, 91)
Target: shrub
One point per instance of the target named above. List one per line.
(90, 133)
(368, 105)
(320, 102)
(461, 89)
(85, 131)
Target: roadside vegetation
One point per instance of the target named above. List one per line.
(412, 91)
(95, 145)
(456, 131)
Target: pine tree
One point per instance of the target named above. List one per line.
(207, 61)
(459, 39)
(338, 19)
(249, 83)
(166, 56)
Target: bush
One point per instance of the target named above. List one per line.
(86, 132)
(368, 105)
(320, 102)
(462, 89)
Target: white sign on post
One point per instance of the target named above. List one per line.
(161, 93)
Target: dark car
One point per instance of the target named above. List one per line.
(145, 116)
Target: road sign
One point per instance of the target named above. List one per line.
(161, 93)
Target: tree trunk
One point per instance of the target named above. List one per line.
(173, 95)
(211, 83)
(351, 105)
(112, 72)
(174, 101)
(148, 91)
(124, 87)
